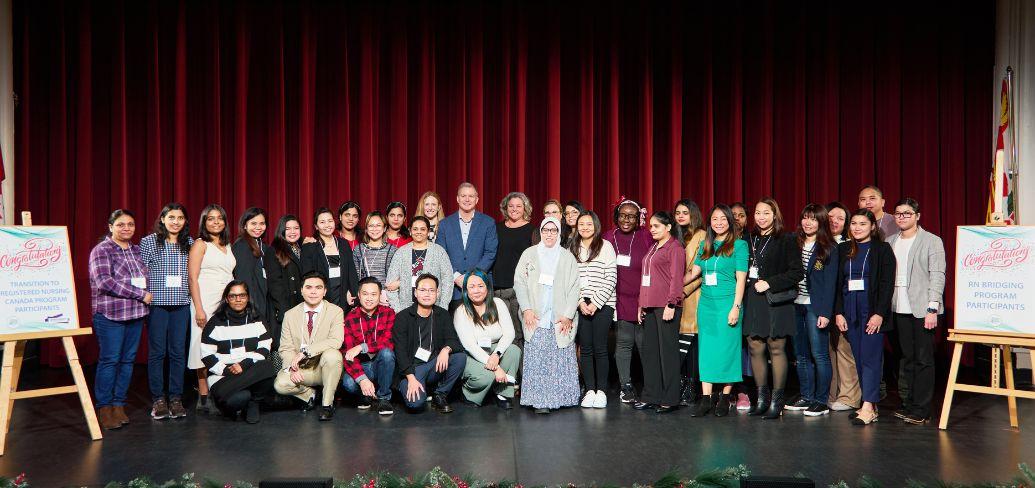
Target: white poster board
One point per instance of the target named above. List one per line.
(37, 290)
(995, 279)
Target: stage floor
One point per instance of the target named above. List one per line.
(49, 442)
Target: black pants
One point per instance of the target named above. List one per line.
(660, 358)
(593, 358)
(688, 353)
(917, 363)
(233, 392)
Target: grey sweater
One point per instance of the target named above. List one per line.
(436, 263)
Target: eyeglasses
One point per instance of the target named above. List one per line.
(904, 215)
(427, 290)
(549, 231)
(237, 296)
(627, 216)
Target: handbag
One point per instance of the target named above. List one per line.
(781, 297)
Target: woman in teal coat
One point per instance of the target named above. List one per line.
(723, 262)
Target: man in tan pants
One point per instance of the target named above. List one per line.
(844, 385)
(312, 328)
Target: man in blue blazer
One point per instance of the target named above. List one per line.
(469, 237)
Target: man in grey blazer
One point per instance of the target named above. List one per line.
(917, 302)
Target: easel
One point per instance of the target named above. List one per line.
(1002, 352)
(1002, 347)
(14, 349)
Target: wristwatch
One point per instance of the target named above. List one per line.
(739, 306)
(500, 354)
(932, 310)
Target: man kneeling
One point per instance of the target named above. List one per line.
(369, 359)
(312, 334)
(427, 349)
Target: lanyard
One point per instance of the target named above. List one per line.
(131, 263)
(650, 257)
(861, 274)
(228, 325)
(614, 236)
(431, 334)
(362, 331)
(760, 252)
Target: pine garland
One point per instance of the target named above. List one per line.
(437, 478)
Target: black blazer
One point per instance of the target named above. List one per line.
(405, 337)
(879, 288)
(313, 259)
(285, 283)
(250, 270)
(781, 265)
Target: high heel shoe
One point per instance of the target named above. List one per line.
(761, 405)
(704, 406)
(776, 406)
(722, 406)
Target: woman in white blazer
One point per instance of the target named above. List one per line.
(546, 282)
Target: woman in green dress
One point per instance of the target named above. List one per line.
(723, 263)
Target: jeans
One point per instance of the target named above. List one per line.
(426, 375)
(379, 370)
(118, 341)
(812, 348)
(167, 337)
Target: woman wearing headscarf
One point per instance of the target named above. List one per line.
(546, 282)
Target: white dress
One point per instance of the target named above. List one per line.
(217, 270)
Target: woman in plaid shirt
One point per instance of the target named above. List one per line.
(119, 297)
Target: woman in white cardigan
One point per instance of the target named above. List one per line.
(484, 327)
(414, 259)
(546, 283)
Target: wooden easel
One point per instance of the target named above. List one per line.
(14, 349)
(1002, 344)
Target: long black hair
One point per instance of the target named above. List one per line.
(875, 233)
(824, 239)
(203, 234)
(242, 229)
(162, 233)
(280, 244)
(316, 218)
(567, 231)
(596, 243)
(403, 230)
(341, 210)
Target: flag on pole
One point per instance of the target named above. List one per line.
(3, 211)
(1001, 196)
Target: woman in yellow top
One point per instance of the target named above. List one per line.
(688, 217)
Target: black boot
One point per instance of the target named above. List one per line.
(704, 407)
(761, 403)
(722, 406)
(776, 407)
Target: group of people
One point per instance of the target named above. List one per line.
(411, 307)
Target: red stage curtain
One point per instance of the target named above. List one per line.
(294, 105)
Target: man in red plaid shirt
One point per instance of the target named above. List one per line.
(367, 350)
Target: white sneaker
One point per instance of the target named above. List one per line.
(590, 399)
(601, 400)
(840, 407)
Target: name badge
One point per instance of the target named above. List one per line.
(413, 282)
(753, 272)
(711, 279)
(138, 281)
(334, 272)
(423, 354)
(624, 260)
(856, 285)
(237, 354)
(645, 280)
(263, 273)
(545, 279)
(484, 342)
(173, 281)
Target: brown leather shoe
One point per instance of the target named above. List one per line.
(104, 416)
(119, 414)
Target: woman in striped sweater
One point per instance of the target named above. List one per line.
(235, 347)
(598, 276)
